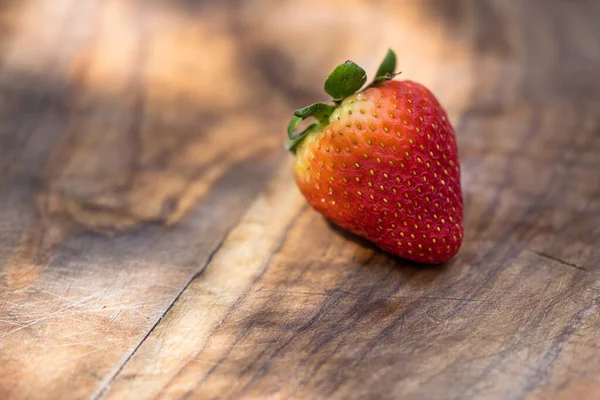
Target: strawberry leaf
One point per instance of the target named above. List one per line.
(345, 79)
(386, 77)
(320, 111)
(295, 137)
(292, 134)
(388, 66)
(386, 69)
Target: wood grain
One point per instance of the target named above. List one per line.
(153, 244)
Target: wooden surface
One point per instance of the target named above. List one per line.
(153, 244)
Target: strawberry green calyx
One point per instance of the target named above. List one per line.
(387, 69)
(345, 80)
(388, 66)
(319, 111)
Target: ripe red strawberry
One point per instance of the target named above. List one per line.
(382, 163)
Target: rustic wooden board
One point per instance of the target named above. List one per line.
(153, 244)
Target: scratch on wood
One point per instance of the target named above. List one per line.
(45, 317)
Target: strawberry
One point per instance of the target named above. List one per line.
(382, 163)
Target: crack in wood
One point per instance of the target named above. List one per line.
(558, 260)
(110, 381)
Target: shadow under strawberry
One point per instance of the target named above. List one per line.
(402, 263)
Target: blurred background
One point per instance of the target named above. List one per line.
(146, 103)
(135, 134)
